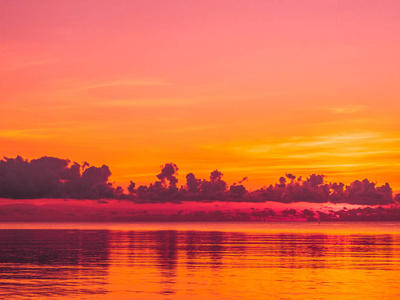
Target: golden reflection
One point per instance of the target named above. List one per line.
(225, 265)
(198, 264)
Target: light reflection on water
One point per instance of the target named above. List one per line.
(198, 264)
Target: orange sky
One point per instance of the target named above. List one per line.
(253, 88)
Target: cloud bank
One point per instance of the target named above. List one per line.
(50, 177)
(61, 210)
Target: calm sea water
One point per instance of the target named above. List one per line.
(200, 261)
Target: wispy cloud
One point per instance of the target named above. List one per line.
(318, 142)
(190, 128)
(27, 134)
(122, 82)
(274, 168)
(347, 109)
(28, 64)
(355, 150)
(354, 153)
(155, 102)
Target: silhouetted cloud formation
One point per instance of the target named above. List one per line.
(192, 183)
(50, 177)
(314, 189)
(167, 174)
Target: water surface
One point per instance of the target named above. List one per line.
(199, 260)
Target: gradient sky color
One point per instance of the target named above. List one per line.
(253, 88)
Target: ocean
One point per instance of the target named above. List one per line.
(277, 260)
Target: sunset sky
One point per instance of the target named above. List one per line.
(252, 88)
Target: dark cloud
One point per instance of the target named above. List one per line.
(362, 214)
(116, 210)
(167, 174)
(307, 213)
(237, 190)
(131, 187)
(361, 192)
(215, 188)
(244, 179)
(315, 190)
(192, 183)
(216, 175)
(50, 177)
(315, 180)
(290, 176)
(289, 212)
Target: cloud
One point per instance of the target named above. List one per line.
(290, 176)
(347, 109)
(50, 177)
(192, 183)
(314, 189)
(27, 134)
(122, 82)
(29, 64)
(167, 174)
(150, 102)
(352, 141)
(362, 214)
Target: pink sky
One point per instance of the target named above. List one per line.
(253, 88)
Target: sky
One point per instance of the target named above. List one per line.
(251, 88)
